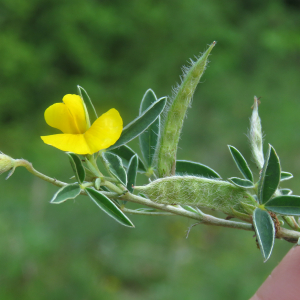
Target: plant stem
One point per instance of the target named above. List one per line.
(26, 164)
(168, 210)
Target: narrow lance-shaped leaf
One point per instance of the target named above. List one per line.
(69, 191)
(109, 207)
(288, 205)
(241, 163)
(269, 177)
(115, 166)
(149, 138)
(243, 183)
(89, 102)
(176, 112)
(77, 167)
(131, 173)
(186, 167)
(140, 124)
(126, 153)
(286, 176)
(265, 232)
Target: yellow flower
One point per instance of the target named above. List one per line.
(78, 136)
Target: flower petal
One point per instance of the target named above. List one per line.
(76, 107)
(59, 116)
(105, 131)
(75, 143)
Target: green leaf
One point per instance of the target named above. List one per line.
(269, 177)
(77, 166)
(126, 154)
(131, 173)
(243, 183)
(69, 191)
(97, 183)
(241, 163)
(89, 102)
(288, 205)
(189, 208)
(186, 167)
(145, 209)
(149, 138)
(286, 176)
(108, 207)
(285, 191)
(265, 232)
(140, 124)
(114, 163)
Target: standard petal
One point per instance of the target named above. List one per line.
(75, 143)
(76, 107)
(59, 116)
(105, 131)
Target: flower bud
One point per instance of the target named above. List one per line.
(256, 136)
(6, 163)
(198, 191)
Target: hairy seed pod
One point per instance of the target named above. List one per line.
(198, 191)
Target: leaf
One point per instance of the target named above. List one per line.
(97, 183)
(265, 232)
(241, 163)
(189, 208)
(248, 207)
(285, 191)
(288, 205)
(269, 177)
(131, 173)
(186, 167)
(145, 209)
(141, 123)
(77, 166)
(126, 153)
(114, 163)
(89, 102)
(149, 138)
(108, 207)
(243, 183)
(286, 176)
(69, 191)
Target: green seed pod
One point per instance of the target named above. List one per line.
(6, 163)
(198, 191)
(175, 114)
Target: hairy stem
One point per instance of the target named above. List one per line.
(283, 233)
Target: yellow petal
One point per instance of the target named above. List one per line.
(76, 107)
(59, 116)
(105, 131)
(75, 143)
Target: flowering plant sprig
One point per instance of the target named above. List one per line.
(177, 187)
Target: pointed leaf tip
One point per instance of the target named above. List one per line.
(141, 123)
(109, 207)
(265, 232)
(114, 163)
(77, 166)
(241, 163)
(269, 177)
(70, 191)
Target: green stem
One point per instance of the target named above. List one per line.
(26, 164)
(283, 233)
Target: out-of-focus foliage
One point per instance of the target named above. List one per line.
(117, 50)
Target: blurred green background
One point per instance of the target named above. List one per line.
(117, 50)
